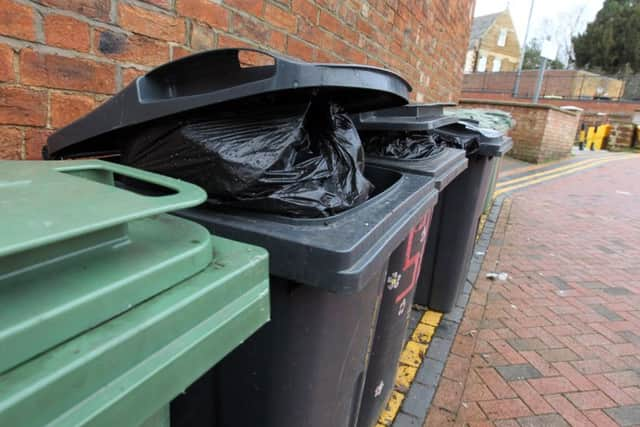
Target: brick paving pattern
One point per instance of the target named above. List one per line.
(558, 342)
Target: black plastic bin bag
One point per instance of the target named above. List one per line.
(401, 145)
(302, 160)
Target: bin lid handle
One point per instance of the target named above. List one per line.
(46, 202)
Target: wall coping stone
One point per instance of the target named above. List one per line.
(516, 104)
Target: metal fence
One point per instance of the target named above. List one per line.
(557, 84)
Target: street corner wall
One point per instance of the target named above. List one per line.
(59, 59)
(559, 134)
(541, 133)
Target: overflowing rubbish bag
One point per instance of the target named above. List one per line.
(466, 135)
(486, 118)
(301, 160)
(401, 145)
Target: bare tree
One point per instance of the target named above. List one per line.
(561, 29)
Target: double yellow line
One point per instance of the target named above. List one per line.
(536, 178)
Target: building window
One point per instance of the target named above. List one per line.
(502, 38)
(497, 64)
(468, 63)
(482, 64)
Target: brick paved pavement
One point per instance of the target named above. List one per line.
(558, 342)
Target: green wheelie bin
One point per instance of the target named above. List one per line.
(110, 307)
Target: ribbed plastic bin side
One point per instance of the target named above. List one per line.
(129, 368)
(440, 165)
(393, 318)
(452, 237)
(307, 367)
(457, 216)
(60, 217)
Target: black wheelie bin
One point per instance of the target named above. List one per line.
(455, 218)
(395, 138)
(331, 226)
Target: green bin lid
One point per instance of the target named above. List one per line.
(75, 250)
(124, 370)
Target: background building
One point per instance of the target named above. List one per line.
(493, 45)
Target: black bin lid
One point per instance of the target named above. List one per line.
(413, 117)
(481, 141)
(218, 76)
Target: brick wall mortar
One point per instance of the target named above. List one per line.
(128, 37)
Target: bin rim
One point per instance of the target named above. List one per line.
(444, 166)
(479, 141)
(349, 248)
(410, 117)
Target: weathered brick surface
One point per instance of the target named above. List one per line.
(541, 132)
(67, 32)
(11, 143)
(19, 106)
(65, 108)
(7, 72)
(151, 23)
(62, 72)
(575, 317)
(34, 140)
(17, 20)
(96, 9)
(90, 48)
(132, 48)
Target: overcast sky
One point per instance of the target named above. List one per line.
(546, 13)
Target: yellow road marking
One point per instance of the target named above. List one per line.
(423, 333)
(431, 318)
(393, 406)
(413, 354)
(405, 377)
(547, 177)
(410, 360)
(556, 175)
(551, 171)
(528, 168)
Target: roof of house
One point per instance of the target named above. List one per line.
(480, 26)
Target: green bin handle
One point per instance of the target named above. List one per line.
(30, 193)
(186, 194)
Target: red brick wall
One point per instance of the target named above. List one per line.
(61, 58)
(572, 84)
(622, 133)
(559, 135)
(556, 82)
(591, 106)
(541, 133)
